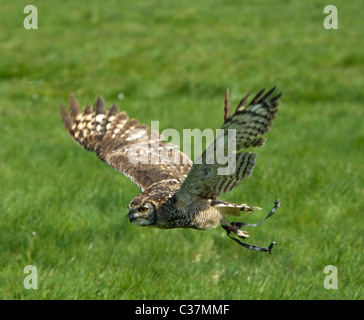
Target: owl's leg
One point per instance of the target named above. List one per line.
(236, 228)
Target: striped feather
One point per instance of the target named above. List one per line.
(250, 122)
(112, 135)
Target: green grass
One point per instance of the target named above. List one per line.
(63, 211)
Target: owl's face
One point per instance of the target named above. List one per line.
(143, 214)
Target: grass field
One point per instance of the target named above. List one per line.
(63, 211)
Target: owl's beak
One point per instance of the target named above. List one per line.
(131, 217)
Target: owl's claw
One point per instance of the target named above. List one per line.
(236, 228)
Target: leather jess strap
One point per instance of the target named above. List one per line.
(253, 247)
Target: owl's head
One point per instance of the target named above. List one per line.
(142, 213)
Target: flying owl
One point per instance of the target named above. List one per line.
(176, 192)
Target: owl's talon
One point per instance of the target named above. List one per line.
(236, 228)
(242, 234)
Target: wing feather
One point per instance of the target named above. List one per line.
(114, 138)
(250, 123)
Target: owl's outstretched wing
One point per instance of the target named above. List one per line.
(125, 144)
(206, 179)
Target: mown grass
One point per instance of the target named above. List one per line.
(63, 211)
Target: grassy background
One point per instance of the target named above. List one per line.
(63, 211)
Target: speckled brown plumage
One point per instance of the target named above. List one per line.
(178, 194)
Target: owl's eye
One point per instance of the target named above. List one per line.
(143, 209)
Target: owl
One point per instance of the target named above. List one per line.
(176, 192)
